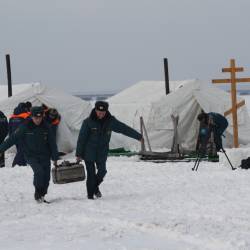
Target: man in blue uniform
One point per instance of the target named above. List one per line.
(93, 144)
(39, 147)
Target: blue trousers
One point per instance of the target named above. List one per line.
(41, 169)
(94, 178)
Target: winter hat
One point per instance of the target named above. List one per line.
(202, 116)
(37, 111)
(28, 105)
(101, 106)
(22, 107)
(53, 113)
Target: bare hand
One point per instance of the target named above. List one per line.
(78, 159)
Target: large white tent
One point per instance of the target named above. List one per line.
(135, 101)
(139, 98)
(72, 109)
(186, 102)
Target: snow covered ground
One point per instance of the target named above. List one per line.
(145, 206)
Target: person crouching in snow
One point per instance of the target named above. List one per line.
(93, 144)
(39, 147)
(216, 123)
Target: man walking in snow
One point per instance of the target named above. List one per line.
(39, 147)
(93, 144)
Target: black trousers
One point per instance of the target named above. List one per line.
(2, 161)
(41, 169)
(95, 174)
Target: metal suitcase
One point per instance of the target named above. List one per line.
(68, 172)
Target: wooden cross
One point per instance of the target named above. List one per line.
(233, 80)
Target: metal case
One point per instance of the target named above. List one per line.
(67, 172)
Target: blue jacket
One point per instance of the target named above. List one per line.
(37, 141)
(94, 137)
(220, 122)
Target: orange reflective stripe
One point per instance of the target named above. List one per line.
(55, 122)
(22, 115)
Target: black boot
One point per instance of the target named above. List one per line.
(91, 197)
(38, 196)
(98, 193)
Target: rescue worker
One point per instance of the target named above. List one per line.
(19, 116)
(53, 118)
(39, 147)
(93, 144)
(3, 134)
(213, 122)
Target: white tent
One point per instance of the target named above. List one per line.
(187, 102)
(72, 109)
(136, 101)
(16, 89)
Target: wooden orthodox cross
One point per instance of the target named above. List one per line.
(233, 80)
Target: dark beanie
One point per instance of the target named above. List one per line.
(101, 106)
(28, 104)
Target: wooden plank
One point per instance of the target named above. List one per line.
(238, 69)
(229, 80)
(146, 134)
(242, 79)
(143, 148)
(240, 104)
(221, 81)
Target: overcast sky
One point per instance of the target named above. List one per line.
(108, 45)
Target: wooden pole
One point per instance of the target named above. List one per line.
(9, 75)
(143, 149)
(166, 76)
(234, 102)
(146, 135)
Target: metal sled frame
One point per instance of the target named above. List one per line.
(173, 155)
